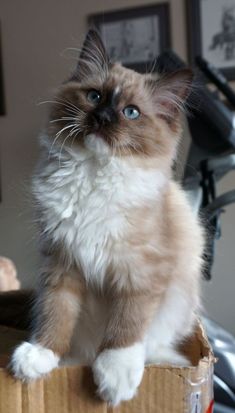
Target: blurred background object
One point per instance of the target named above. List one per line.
(8, 275)
(211, 28)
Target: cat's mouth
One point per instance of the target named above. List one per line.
(96, 142)
(98, 135)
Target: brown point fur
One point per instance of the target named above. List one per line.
(57, 309)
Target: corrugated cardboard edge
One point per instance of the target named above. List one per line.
(164, 389)
(196, 381)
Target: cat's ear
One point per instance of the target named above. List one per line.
(170, 93)
(93, 59)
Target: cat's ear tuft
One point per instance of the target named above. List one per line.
(93, 59)
(93, 45)
(170, 93)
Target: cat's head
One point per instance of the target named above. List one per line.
(113, 110)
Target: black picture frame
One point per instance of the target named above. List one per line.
(196, 38)
(159, 18)
(2, 99)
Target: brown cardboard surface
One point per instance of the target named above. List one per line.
(164, 389)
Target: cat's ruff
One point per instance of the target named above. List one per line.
(83, 199)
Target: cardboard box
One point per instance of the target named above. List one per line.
(164, 389)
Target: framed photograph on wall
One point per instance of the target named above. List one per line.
(135, 37)
(211, 25)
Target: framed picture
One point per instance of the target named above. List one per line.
(211, 25)
(135, 37)
(2, 103)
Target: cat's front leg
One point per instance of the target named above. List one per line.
(119, 367)
(56, 311)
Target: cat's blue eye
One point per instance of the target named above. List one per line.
(94, 96)
(131, 112)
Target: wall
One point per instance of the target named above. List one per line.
(35, 35)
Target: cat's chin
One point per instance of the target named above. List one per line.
(96, 144)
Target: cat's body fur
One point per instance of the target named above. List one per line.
(124, 262)
(92, 192)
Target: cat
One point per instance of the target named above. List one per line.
(120, 286)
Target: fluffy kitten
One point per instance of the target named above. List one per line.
(121, 281)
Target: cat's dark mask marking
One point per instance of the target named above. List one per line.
(106, 112)
(103, 116)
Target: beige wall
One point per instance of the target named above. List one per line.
(34, 36)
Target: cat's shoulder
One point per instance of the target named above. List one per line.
(177, 194)
(180, 205)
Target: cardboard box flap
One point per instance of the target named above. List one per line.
(197, 346)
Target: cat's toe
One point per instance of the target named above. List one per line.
(118, 373)
(31, 361)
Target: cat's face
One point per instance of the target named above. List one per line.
(114, 110)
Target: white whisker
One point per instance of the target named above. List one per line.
(58, 134)
(64, 118)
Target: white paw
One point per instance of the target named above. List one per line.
(118, 373)
(31, 361)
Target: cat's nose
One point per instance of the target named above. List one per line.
(104, 116)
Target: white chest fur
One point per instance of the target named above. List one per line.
(84, 200)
